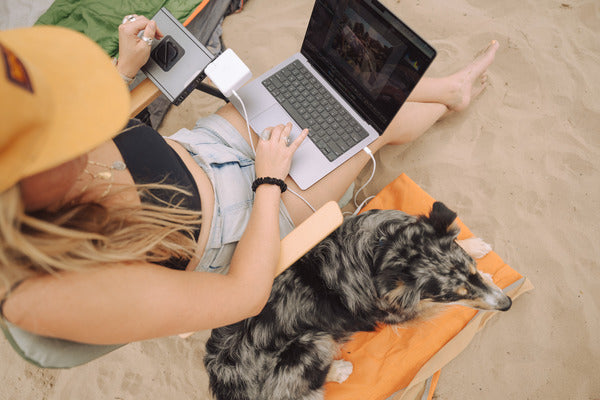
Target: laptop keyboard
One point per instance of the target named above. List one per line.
(332, 129)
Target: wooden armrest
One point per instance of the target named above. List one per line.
(142, 95)
(310, 232)
(305, 236)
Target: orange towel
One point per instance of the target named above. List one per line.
(389, 360)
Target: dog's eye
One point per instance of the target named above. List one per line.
(461, 291)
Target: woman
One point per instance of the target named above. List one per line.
(89, 224)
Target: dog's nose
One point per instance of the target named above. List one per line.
(505, 304)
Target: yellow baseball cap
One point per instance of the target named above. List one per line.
(60, 96)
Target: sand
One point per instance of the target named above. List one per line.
(521, 167)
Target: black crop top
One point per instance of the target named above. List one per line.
(150, 159)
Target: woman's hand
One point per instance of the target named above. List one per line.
(274, 155)
(133, 51)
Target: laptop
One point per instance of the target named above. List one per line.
(357, 65)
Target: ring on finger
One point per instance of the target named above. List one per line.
(147, 40)
(128, 18)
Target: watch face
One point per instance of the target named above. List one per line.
(167, 53)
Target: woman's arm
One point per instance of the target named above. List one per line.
(257, 252)
(131, 302)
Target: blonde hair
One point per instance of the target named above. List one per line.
(80, 236)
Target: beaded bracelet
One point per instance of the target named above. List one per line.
(269, 181)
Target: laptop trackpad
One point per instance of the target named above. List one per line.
(270, 117)
(308, 164)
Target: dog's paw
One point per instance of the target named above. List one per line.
(475, 247)
(340, 371)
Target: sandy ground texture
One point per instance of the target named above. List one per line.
(521, 167)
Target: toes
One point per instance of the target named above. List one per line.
(491, 48)
(485, 58)
(483, 83)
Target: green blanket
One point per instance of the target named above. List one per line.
(99, 19)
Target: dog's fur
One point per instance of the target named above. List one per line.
(382, 266)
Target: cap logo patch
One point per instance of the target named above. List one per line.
(15, 70)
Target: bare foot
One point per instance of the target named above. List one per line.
(471, 80)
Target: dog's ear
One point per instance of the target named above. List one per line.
(442, 218)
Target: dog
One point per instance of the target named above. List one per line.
(382, 266)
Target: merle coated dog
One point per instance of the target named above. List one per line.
(382, 266)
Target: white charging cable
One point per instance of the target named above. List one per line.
(359, 207)
(254, 151)
(247, 123)
(303, 199)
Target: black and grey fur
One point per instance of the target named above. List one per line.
(381, 266)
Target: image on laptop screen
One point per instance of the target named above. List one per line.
(368, 54)
(364, 54)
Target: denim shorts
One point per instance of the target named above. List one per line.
(227, 159)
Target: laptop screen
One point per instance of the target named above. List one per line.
(367, 54)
